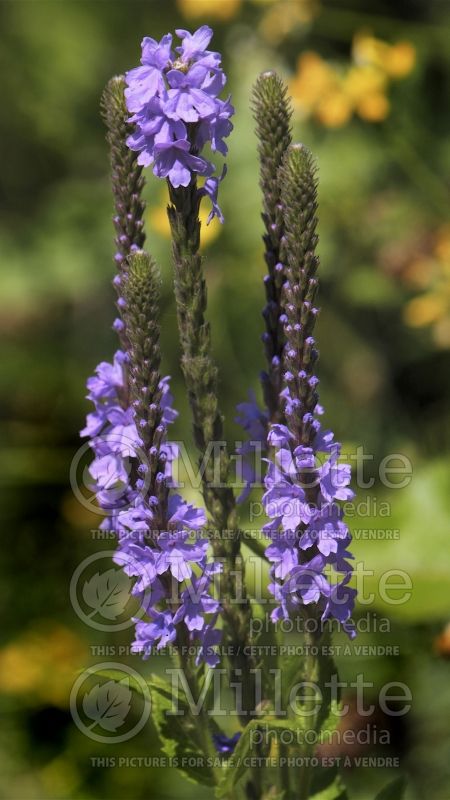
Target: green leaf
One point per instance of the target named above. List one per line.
(327, 718)
(292, 672)
(327, 785)
(335, 791)
(236, 767)
(117, 676)
(331, 722)
(394, 790)
(179, 734)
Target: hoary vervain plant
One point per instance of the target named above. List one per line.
(162, 114)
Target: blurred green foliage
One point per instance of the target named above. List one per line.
(383, 195)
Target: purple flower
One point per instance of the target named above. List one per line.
(138, 561)
(193, 44)
(279, 436)
(185, 515)
(146, 552)
(160, 631)
(283, 553)
(308, 538)
(216, 128)
(225, 744)
(176, 109)
(174, 160)
(178, 554)
(186, 100)
(211, 188)
(195, 603)
(147, 81)
(111, 481)
(334, 479)
(210, 637)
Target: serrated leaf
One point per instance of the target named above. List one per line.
(179, 734)
(394, 790)
(107, 593)
(108, 704)
(236, 768)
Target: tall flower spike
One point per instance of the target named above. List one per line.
(127, 183)
(174, 101)
(160, 521)
(272, 113)
(309, 537)
(132, 480)
(297, 180)
(140, 313)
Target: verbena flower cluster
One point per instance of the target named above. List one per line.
(304, 481)
(308, 550)
(309, 539)
(176, 110)
(171, 566)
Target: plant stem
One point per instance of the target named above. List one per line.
(201, 720)
(284, 771)
(311, 676)
(200, 373)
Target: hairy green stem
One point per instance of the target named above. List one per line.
(310, 710)
(200, 374)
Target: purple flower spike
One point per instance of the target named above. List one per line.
(176, 110)
(149, 556)
(303, 530)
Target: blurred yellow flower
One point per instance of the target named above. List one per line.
(395, 60)
(314, 78)
(158, 220)
(373, 107)
(284, 16)
(332, 95)
(334, 110)
(217, 9)
(365, 86)
(431, 273)
(424, 310)
(42, 663)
